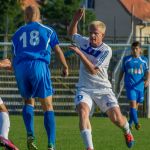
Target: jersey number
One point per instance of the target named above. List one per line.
(34, 38)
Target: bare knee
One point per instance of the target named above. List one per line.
(116, 117)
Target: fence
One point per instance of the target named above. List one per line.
(63, 99)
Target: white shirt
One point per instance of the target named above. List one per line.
(100, 57)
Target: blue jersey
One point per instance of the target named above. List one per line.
(135, 69)
(33, 41)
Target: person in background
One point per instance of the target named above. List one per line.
(136, 77)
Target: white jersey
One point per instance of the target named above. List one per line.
(100, 57)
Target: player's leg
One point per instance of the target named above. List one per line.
(132, 96)
(4, 121)
(28, 117)
(49, 121)
(109, 104)
(4, 128)
(140, 99)
(133, 112)
(84, 104)
(118, 119)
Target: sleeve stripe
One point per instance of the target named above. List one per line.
(101, 60)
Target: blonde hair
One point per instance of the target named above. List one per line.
(32, 13)
(98, 24)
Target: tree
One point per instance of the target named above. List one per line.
(59, 13)
(56, 13)
(9, 16)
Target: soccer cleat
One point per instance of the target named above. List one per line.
(31, 143)
(7, 144)
(89, 149)
(137, 126)
(51, 147)
(129, 139)
(131, 127)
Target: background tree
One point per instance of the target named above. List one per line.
(56, 13)
(10, 16)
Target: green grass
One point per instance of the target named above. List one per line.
(106, 136)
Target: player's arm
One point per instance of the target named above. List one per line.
(91, 68)
(147, 81)
(62, 59)
(73, 28)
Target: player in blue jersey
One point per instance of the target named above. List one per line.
(32, 47)
(4, 116)
(93, 86)
(136, 77)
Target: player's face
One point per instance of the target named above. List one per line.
(96, 36)
(136, 51)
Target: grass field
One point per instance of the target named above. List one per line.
(106, 136)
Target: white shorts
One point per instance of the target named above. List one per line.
(103, 101)
(1, 102)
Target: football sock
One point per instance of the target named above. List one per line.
(87, 138)
(4, 124)
(130, 119)
(49, 123)
(133, 112)
(28, 117)
(126, 128)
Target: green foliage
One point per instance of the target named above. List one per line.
(55, 13)
(10, 16)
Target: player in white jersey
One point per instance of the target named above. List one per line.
(4, 117)
(93, 86)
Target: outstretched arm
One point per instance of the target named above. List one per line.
(74, 23)
(62, 59)
(91, 68)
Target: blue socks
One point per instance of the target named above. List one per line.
(49, 123)
(28, 117)
(133, 115)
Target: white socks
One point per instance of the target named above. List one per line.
(126, 128)
(4, 124)
(87, 138)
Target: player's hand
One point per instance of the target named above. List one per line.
(75, 49)
(146, 83)
(65, 71)
(5, 63)
(78, 15)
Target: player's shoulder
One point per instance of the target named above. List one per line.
(20, 29)
(47, 28)
(144, 58)
(106, 46)
(127, 58)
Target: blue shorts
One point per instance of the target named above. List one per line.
(33, 79)
(136, 95)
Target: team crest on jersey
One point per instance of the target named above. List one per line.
(80, 97)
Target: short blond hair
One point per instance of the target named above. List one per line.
(32, 13)
(98, 24)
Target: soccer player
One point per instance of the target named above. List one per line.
(93, 86)
(4, 116)
(136, 77)
(33, 44)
